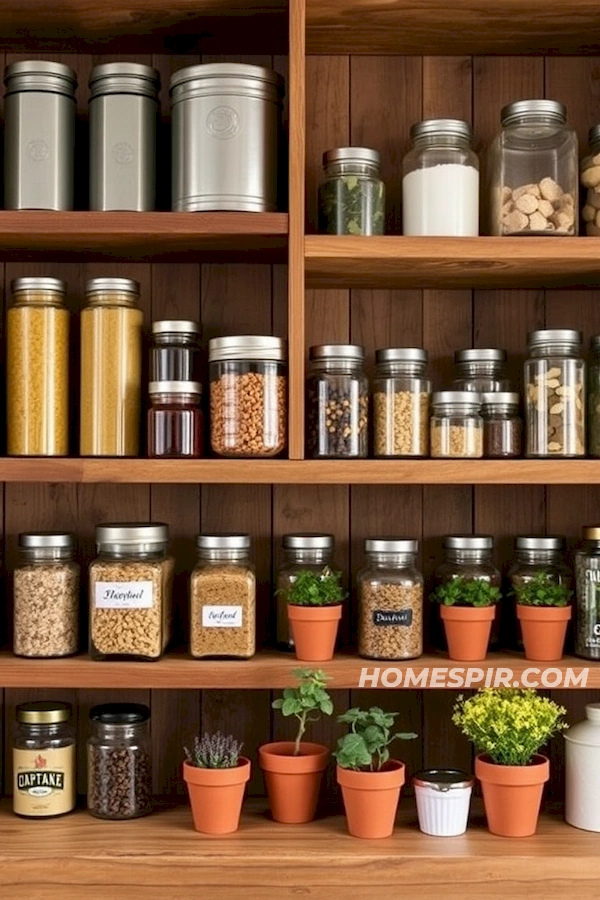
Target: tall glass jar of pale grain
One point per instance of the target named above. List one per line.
(37, 368)
(111, 368)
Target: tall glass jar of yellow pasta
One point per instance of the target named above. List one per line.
(37, 368)
(111, 368)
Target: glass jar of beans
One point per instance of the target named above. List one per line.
(401, 397)
(248, 395)
(456, 425)
(338, 402)
(390, 590)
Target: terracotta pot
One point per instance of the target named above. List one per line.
(544, 631)
(371, 799)
(314, 630)
(468, 630)
(512, 795)
(216, 796)
(293, 782)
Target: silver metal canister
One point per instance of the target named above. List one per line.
(123, 114)
(39, 135)
(225, 132)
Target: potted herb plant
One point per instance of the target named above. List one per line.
(544, 611)
(293, 769)
(508, 726)
(216, 777)
(314, 610)
(467, 609)
(370, 780)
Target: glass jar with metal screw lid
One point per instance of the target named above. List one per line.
(587, 582)
(401, 396)
(175, 421)
(539, 563)
(481, 370)
(119, 758)
(555, 394)
(352, 196)
(593, 404)
(456, 425)
(337, 402)
(502, 425)
(590, 180)
(534, 166)
(44, 760)
(390, 592)
(440, 181)
(468, 556)
(46, 596)
(302, 553)
(175, 351)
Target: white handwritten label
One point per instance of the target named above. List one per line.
(222, 616)
(124, 595)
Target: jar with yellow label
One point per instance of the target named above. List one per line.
(44, 760)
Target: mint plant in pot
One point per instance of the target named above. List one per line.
(216, 776)
(507, 727)
(293, 770)
(314, 610)
(370, 780)
(544, 611)
(467, 609)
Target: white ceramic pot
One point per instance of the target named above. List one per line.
(582, 764)
(443, 797)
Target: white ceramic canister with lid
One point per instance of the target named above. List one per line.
(443, 798)
(582, 764)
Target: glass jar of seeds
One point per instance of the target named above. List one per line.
(302, 552)
(338, 402)
(481, 370)
(130, 592)
(587, 583)
(46, 596)
(593, 403)
(390, 591)
(456, 425)
(223, 598)
(119, 758)
(401, 396)
(502, 425)
(555, 394)
(352, 196)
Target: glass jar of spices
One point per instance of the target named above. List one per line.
(37, 368)
(502, 425)
(401, 395)
(481, 370)
(302, 553)
(338, 402)
(587, 582)
(456, 425)
(44, 783)
(352, 196)
(593, 416)
(590, 180)
(175, 351)
(119, 759)
(555, 394)
(175, 421)
(46, 596)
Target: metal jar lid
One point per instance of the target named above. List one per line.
(441, 128)
(132, 534)
(480, 355)
(247, 346)
(542, 542)
(38, 284)
(174, 387)
(120, 713)
(40, 75)
(468, 542)
(546, 336)
(223, 541)
(471, 400)
(124, 78)
(226, 79)
(352, 155)
(175, 326)
(46, 540)
(499, 398)
(591, 533)
(401, 354)
(391, 545)
(106, 285)
(443, 779)
(307, 541)
(534, 109)
(353, 352)
(43, 712)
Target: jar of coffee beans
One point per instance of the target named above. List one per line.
(401, 402)
(390, 590)
(119, 761)
(338, 402)
(555, 394)
(502, 426)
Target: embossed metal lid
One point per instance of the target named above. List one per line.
(43, 712)
(307, 541)
(124, 78)
(391, 545)
(247, 346)
(40, 75)
(553, 110)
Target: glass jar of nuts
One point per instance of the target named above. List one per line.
(480, 369)
(555, 394)
(590, 180)
(390, 590)
(401, 397)
(248, 395)
(534, 167)
(456, 425)
(337, 402)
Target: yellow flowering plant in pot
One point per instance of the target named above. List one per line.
(507, 727)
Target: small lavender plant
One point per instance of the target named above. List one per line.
(214, 751)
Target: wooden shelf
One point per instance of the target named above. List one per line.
(143, 237)
(162, 856)
(481, 262)
(269, 669)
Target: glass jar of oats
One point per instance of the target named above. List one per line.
(130, 592)
(223, 598)
(390, 590)
(46, 596)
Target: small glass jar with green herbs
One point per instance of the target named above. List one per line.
(352, 195)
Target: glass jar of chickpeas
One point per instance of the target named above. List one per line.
(401, 397)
